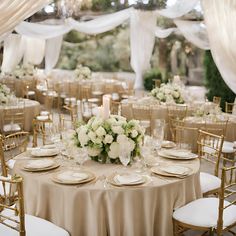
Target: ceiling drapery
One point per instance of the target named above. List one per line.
(15, 11)
(220, 18)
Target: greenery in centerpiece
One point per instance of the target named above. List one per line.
(169, 93)
(149, 78)
(5, 94)
(104, 137)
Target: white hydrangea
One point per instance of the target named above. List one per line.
(117, 129)
(134, 133)
(82, 136)
(93, 152)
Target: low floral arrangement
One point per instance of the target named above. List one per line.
(104, 137)
(169, 93)
(5, 94)
(205, 110)
(24, 70)
(82, 73)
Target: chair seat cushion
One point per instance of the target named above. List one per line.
(209, 182)
(228, 147)
(31, 93)
(204, 213)
(11, 128)
(42, 118)
(44, 113)
(35, 227)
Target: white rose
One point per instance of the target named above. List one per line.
(176, 94)
(130, 145)
(83, 137)
(93, 152)
(92, 136)
(121, 139)
(134, 133)
(100, 131)
(117, 129)
(108, 139)
(96, 123)
(114, 150)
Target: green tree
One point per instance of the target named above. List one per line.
(215, 83)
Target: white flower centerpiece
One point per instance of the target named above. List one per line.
(104, 134)
(5, 94)
(169, 93)
(24, 70)
(82, 73)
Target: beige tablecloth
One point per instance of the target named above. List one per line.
(98, 210)
(32, 108)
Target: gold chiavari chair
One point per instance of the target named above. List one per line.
(185, 137)
(213, 215)
(115, 107)
(109, 87)
(85, 91)
(210, 150)
(13, 119)
(41, 127)
(73, 113)
(143, 113)
(176, 113)
(217, 100)
(229, 107)
(157, 83)
(13, 218)
(29, 88)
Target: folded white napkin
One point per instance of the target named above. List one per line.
(178, 170)
(72, 176)
(44, 152)
(127, 178)
(35, 164)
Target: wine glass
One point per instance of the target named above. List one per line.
(124, 156)
(158, 133)
(80, 155)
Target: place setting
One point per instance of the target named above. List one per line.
(39, 165)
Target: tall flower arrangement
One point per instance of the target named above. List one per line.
(169, 93)
(82, 72)
(24, 70)
(103, 138)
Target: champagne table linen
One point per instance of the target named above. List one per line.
(98, 210)
(32, 109)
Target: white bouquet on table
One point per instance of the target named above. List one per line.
(5, 94)
(103, 138)
(24, 70)
(82, 73)
(169, 93)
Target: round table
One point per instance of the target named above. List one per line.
(100, 209)
(32, 109)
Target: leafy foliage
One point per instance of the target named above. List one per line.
(215, 83)
(149, 77)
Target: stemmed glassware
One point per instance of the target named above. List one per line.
(124, 156)
(80, 155)
(158, 133)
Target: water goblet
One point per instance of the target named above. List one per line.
(124, 156)
(158, 133)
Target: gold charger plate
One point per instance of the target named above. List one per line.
(164, 154)
(51, 167)
(158, 171)
(112, 181)
(90, 178)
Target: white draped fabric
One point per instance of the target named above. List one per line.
(52, 52)
(142, 39)
(15, 11)
(14, 47)
(34, 50)
(180, 8)
(164, 33)
(195, 32)
(220, 19)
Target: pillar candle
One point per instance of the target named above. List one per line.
(106, 107)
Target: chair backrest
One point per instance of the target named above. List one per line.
(210, 148)
(48, 102)
(186, 136)
(227, 191)
(229, 107)
(12, 145)
(12, 193)
(14, 116)
(177, 111)
(218, 127)
(115, 107)
(217, 100)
